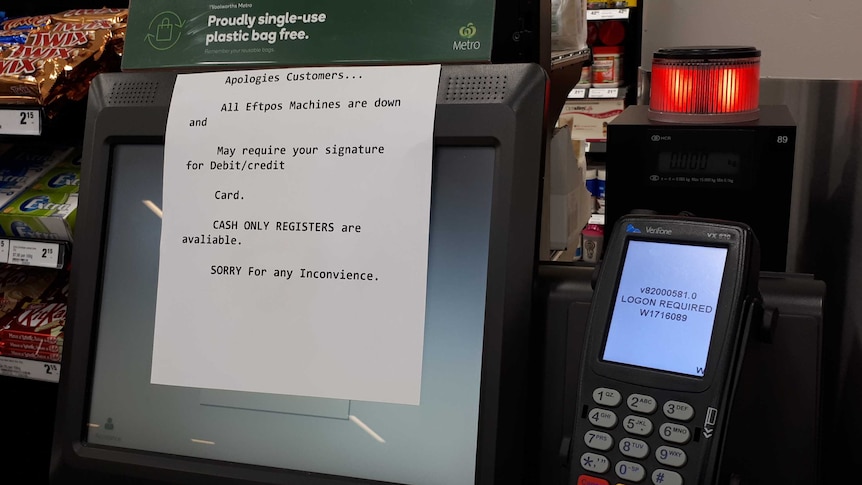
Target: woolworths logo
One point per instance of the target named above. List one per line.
(467, 32)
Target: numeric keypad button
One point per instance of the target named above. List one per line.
(675, 433)
(641, 403)
(678, 410)
(598, 440)
(633, 448)
(638, 425)
(670, 456)
(666, 477)
(590, 480)
(595, 463)
(627, 470)
(602, 418)
(604, 396)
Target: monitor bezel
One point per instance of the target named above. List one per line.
(511, 124)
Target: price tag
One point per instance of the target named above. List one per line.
(29, 369)
(20, 122)
(4, 251)
(598, 219)
(605, 93)
(587, 146)
(578, 93)
(34, 253)
(608, 14)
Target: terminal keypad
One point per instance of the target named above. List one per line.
(639, 421)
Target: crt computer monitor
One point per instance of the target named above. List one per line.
(113, 426)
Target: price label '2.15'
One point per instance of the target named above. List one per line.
(33, 253)
(20, 122)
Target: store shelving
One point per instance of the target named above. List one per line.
(34, 253)
(65, 129)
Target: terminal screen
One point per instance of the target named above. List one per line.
(664, 310)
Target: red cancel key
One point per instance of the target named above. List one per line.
(588, 480)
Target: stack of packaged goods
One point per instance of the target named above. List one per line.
(39, 191)
(33, 309)
(46, 62)
(49, 60)
(39, 199)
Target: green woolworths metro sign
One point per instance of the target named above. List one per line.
(199, 34)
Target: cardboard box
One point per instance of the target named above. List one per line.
(589, 118)
(569, 200)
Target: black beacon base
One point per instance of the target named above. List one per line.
(774, 428)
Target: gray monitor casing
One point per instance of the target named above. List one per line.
(500, 106)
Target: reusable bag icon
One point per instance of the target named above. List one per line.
(165, 31)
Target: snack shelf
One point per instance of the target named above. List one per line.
(21, 120)
(29, 369)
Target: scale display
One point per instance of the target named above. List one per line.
(698, 163)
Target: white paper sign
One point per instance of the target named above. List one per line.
(294, 242)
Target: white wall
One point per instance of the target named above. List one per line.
(799, 39)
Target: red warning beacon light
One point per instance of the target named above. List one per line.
(705, 85)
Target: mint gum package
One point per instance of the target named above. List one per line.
(41, 214)
(63, 178)
(38, 191)
(22, 166)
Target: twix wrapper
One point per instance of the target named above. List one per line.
(114, 15)
(32, 73)
(113, 19)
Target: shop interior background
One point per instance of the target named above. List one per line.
(811, 63)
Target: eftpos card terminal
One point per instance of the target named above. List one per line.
(667, 331)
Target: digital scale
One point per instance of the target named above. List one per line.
(713, 156)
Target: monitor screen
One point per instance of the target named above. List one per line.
(665, 304)
(433, 443)
(470, 425)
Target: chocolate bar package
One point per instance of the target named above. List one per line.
(34, 328)
(39, 350)
(40, 323)
(38, 69)
(12, 37)
(26, 23)
(112, 15)
(22, 284)
(53, 58)
(24, 346)
(40, 356)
